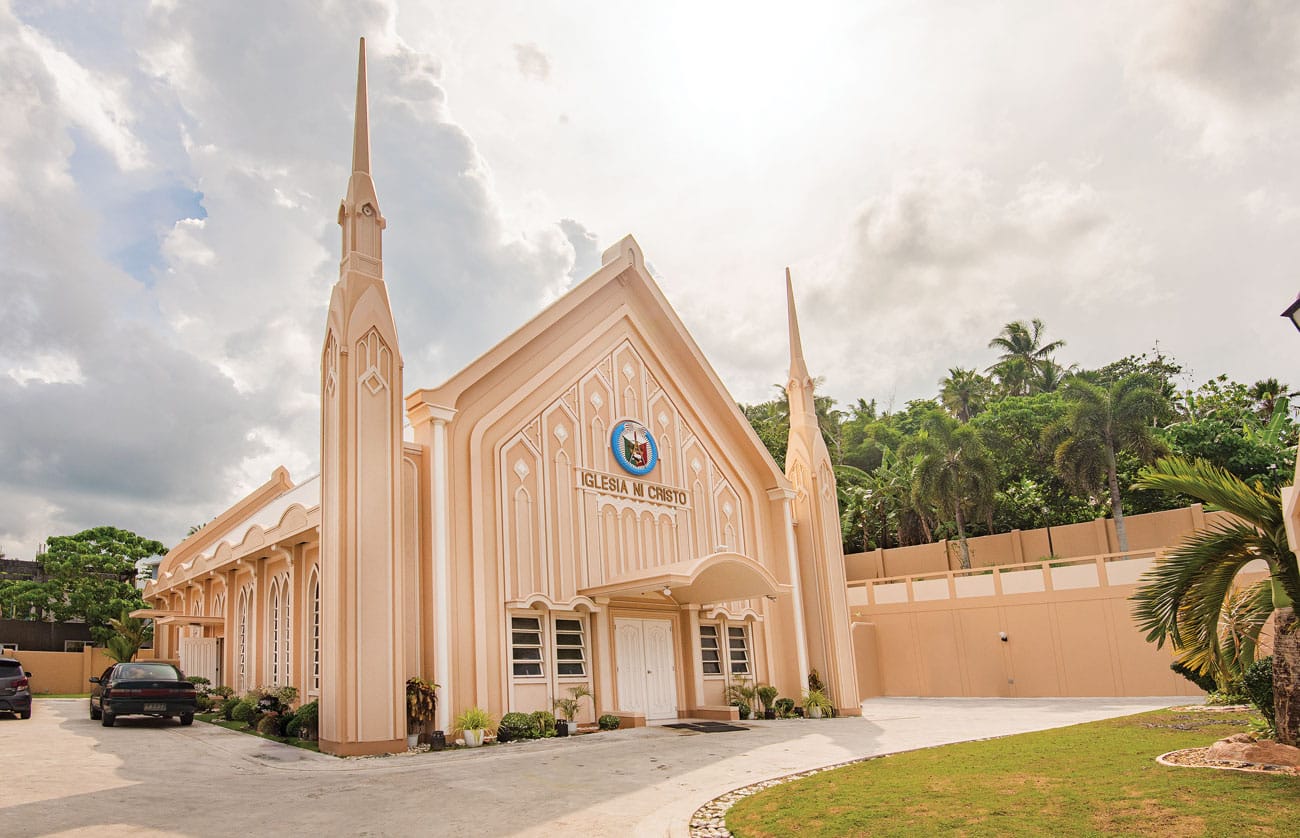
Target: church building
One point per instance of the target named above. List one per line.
(584, 504)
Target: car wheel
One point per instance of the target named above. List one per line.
(25, 714)
(94, 714)
(108, 719)
(187, 719)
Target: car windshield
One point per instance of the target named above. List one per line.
(146, 672)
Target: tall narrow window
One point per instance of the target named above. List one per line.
(315, 634)
(275, 635)
(286, 635)
(710, 654)
(526, 646)
(243, 640)
(738, 650)
(570, 648)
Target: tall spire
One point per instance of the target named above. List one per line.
(361, 122)
(798, 369)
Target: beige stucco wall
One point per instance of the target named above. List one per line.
(65, 672)
(1090, 538)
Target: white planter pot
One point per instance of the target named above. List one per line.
(412, 740)
(814, 712)
(572, 726)
(473, 738)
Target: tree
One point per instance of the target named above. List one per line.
(1099, 422)
(964, 392)
(92, 574)
(954, 473)
(1182, 599)
(130, 634)
(1023, 351)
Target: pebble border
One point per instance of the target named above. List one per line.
(710, 820)
(1245, 767)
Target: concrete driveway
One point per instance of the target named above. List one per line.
(64, 774)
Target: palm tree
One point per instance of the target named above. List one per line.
(1049, 376)
(963, 392)
(131, 633)
(1183, 598)
(1267, 394)
(954, 472)
(1100, 422)
(1023, 351)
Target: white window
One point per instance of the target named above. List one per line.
(710, 654)
(315, 634)
(76, 645)
(286, 635)
(526, 646)
(243, 640)
(275, 635)
(570, 647)
(738, 650)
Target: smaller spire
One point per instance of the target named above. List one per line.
(798, 369)
(361, 124)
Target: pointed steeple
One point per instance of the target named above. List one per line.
(361, 121)
(798, 369)
(359, 214)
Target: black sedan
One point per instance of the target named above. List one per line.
(144, 688)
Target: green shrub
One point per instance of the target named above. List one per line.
(767, 694)
(228, 708)
(784, 708)
(223, 691)
(204, 702)
(517, 726)
(1257, 681)
(608, 722)
(243, 710)
(545, 723)
(1202, 682)
(743, 707)
(200, 683)
(271, 724)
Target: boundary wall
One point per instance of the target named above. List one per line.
(67, 672)
(1090, 538)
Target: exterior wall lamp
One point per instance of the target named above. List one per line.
(1292, 313)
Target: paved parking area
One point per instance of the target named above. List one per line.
(66, 775)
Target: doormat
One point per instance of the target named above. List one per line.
(706, 727)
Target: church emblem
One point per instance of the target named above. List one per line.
(634, 447)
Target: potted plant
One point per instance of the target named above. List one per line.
(784, 708)
(473, 724)
(816, 704)
(744, 695)
(767, 694)
(567, 708)
(421, 707)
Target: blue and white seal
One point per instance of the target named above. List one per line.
(634, 447)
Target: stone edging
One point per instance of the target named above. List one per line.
(1245, 767)
(710, 820)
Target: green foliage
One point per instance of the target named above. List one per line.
(815, 681)
(303, 722)
(129, 635)
(222, 691)
(475, 718)
(818, 699)
(228, 707)
(784, 708)
(568, 707)
(518, 726)
(953, 474)
(1257, 681)
(545, 723)
(608, 722)
(90, 578)
(1202, 681)
(243, 710)
(742, 706)
(767, 694)
(421, 702)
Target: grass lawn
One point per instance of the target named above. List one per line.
(60, 695)
(1099, 778)
(240, 727)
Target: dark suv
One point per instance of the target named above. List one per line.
(142, 688)
(15, 688)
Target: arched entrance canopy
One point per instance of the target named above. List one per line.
(718, 577)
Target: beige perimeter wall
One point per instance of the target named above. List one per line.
(67, 672)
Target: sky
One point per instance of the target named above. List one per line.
(170, 174)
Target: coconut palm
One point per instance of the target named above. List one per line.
(964, 392)
(1183, 598)
(1101, 421)
(130, 635)
(953, 472)
(1023, 351)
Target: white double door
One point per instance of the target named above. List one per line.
(647, 680)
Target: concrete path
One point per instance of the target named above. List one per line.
(64, 774)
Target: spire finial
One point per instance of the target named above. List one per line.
(798, 369)
(361, 123)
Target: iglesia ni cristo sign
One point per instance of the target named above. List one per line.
(643, 490)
